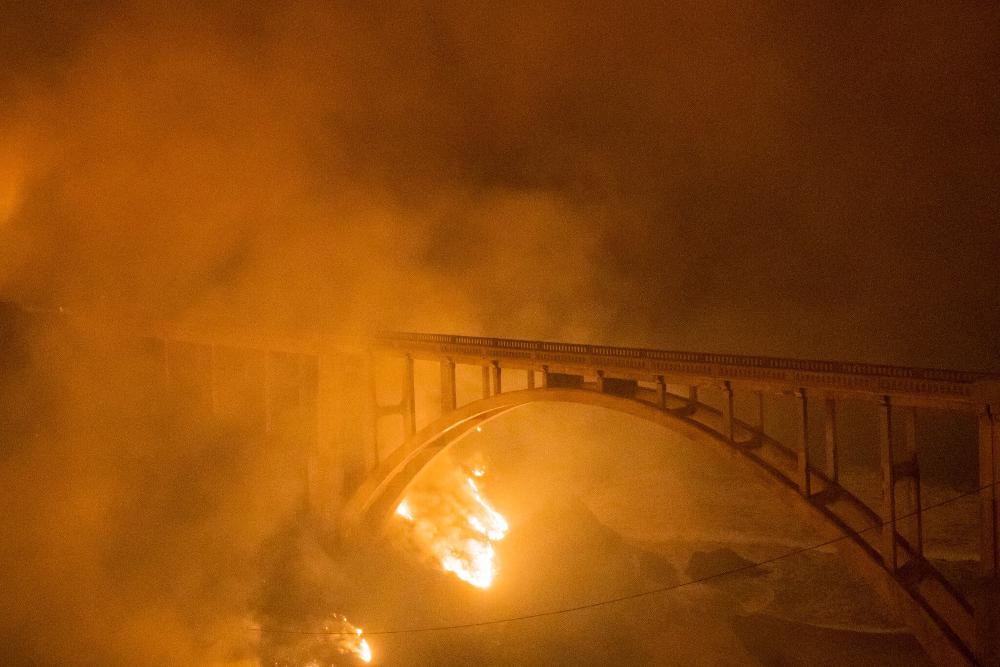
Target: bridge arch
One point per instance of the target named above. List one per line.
(829, 509)
(383, 489)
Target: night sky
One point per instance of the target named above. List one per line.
(812, 181)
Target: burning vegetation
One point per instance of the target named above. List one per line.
(450, 522)
(323, 645)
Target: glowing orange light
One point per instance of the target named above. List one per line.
(457, 527)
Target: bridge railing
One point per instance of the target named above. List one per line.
(777, 363)
(875, 379)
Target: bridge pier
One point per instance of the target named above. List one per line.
(759, 421)
(496, 379)
(906, 477)
(890, 556)
(986, 604)
(830, 462)
(449, 394)
(802, 443)
(728, 405)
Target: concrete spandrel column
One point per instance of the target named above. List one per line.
(600, 382)
(728, 406)
(693, 394)
(889, 554)
(759, 395)
(831, 456)
(486, 382)
(986, 600)
(545, 377)
(531, 378)
(496, 379)
(661, 392)
(907, 489)
(802, 444)
(449, 399)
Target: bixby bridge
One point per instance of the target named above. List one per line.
(369, 422)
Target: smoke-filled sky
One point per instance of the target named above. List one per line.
(813, 181)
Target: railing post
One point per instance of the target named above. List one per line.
(890, 557)
(449, 399)
(830, 459)
(409, 398)
(802, 443)
(986, 603)
(727, 411)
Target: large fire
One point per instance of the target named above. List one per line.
(456, 526)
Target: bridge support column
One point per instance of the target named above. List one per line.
(449, 398)
(486, 381)
(906, 474)
(890, 555)
(986, 603)
(802, 443)
(728, 404)
(531, 378)
(661, 392)
(693, 394)
(830, 462)
(600, 382)
(545, 377)
(759, 423)
(496, 384)
(409, 398)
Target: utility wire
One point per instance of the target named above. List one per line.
(631, 596)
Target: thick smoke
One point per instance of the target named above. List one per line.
(817, 182)
(747, 179)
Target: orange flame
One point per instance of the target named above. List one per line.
(457, 527)
(353, 644)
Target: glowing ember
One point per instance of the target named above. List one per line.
(350, 641)
(321, 644)
(454, 524)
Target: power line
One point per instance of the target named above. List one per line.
(631, 596)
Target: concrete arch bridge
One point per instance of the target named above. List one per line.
(354, 407)
(729, 402)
